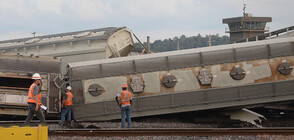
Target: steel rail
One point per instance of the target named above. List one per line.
(172, 132)
(32, 122)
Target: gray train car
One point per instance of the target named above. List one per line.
(16, 77)
(242, 74)
(76, 46)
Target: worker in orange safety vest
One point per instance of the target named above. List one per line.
(66, 105)
(124, 101)
(39, 97)
(33, 100)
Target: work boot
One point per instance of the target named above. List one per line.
(61, 124)
(67, 123)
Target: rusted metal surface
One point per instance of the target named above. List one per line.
(276, 75)
(172, 132)
(259, 61)
(135, 64)
(195, 70)
(223, 68)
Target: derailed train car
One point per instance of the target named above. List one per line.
(76, 46)
(196, 79)
(16, 77)
(49, 56)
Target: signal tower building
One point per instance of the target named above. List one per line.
(246, 26)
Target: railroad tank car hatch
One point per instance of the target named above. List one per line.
(96, 90)
(285, 68)
(137, 84)
(205, 77)
(169, 80)
(238, 73)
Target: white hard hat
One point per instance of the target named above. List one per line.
(69, 88)
(36, 76)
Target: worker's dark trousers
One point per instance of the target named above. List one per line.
(31, 113)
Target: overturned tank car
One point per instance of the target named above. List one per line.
(76, 46)
(49, 56)
(231, 75)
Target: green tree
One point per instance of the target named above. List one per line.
(186, 42)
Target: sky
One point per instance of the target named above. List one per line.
(159, 19)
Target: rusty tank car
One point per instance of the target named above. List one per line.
(241, 74)
(230, 75)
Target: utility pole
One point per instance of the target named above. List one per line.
(209, 40)
(34, 33)
(148, 45)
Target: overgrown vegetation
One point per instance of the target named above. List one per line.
(186, 42)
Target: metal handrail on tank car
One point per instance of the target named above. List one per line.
(227, 55)
(264, 36)
(60, 35)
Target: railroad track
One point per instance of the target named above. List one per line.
(33, 121)
(172, 132)
(22, 123)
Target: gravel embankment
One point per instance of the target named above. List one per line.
(166, 121)
(188, 120)
(117, 125)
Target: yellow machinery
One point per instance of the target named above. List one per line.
(24, 133)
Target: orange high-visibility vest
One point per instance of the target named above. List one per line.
(125, 97)
(39, 97)
(68, 101)
(31, 96)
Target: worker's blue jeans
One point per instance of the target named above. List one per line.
(125, 113)
(66, 110)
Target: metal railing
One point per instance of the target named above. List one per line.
(230, 55)
(267, 35)
(59, 35)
